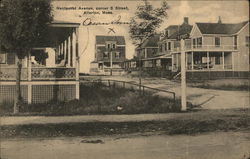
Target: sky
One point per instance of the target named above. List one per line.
(196, 11)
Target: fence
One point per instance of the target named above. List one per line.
(132, 86)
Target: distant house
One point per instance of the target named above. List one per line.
(110, 53)
(213, 50)
(49, 72)
(171, 42)
(217, 50)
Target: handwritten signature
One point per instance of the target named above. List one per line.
(89, 21)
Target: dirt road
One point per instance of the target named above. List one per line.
(226, 145)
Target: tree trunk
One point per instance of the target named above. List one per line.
(18, 99)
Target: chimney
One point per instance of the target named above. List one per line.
(185, 20)
(219, 20)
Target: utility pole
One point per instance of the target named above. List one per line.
(183, 77)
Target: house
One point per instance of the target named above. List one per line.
(50, 71)
(216, 50)
(171, 42)
(148, 58)
(156, 52)
(110, 54)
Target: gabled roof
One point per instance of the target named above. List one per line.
(182, 30)
(172, 27)
(220, 28)
(152, 41)
(100, 39)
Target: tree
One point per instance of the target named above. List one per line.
(23, 25)
(145, 23)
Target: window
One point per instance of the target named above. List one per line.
(117, 55)
(160, 48)
(3, 58)
(169, 45)
(235, 42)
(105, 54)
(108, 46)
(199, 41)
(217, 60)
(217, 41)
(194, 43)
(247, 41)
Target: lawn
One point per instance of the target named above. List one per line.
(96, 98)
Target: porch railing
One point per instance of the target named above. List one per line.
(38, 73)
(9, 73)
(51, 73)
(207, 48)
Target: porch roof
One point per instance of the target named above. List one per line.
(158, 57)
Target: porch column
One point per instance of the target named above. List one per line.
(65, 49)
(233, 60)
(207, 60)
(74, 48)
(59, 50)
(77, 65)
(186, 58)
(146, 54)
(223, 60)
(69, 52)
(192, 63)
(62, 49)
(177, 61)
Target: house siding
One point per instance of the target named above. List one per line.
(241, 58)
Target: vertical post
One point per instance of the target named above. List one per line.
(111, 63)
(208, 60)
(69, 52)
(65, 49)
(29, 79)
(77, 65)
(183, 78)
(223, 60)
(192, 60)
(74, 48)
(140, 70)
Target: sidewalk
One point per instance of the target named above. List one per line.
(20, 120)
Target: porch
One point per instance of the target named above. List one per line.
(205, 61)
(49, 72)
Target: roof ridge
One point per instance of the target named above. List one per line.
(221, 23)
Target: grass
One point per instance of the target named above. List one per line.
(186, 123)
(99, 99)
(223, 84)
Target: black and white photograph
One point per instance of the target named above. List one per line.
(124, 79)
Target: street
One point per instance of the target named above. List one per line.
(222, 145)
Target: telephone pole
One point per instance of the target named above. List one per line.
(183, 77)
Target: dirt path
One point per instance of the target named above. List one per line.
(227, 145)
